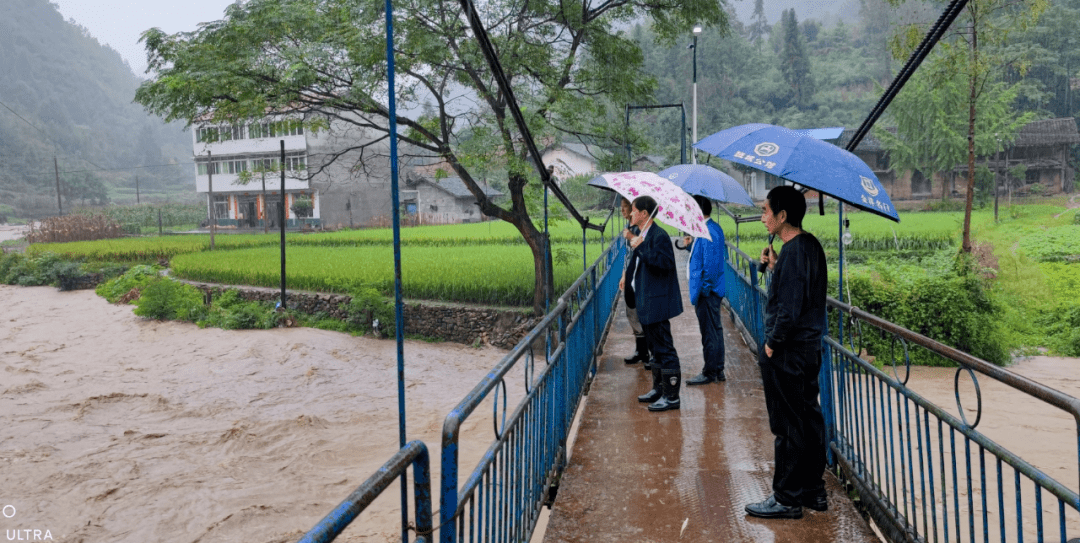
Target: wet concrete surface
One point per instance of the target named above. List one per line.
(640, 476)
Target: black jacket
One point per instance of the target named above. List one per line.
(658, 295)
(795, 310)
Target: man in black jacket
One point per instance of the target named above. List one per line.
(656, 287)
(791, 359)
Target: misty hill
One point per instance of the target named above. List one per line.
(78, 95)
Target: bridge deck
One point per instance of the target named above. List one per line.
(639, 476)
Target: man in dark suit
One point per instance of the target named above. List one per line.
(658, 300)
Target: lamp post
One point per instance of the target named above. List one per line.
(693, 153)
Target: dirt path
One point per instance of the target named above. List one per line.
(113, 428)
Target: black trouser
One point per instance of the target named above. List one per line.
(791, 396)
(661, 345)
(712, 333)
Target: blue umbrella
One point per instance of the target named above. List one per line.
(709, 182)
(804, 160)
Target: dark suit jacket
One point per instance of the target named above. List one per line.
(628, 274)
(657, 283)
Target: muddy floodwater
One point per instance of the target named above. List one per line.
(118, 429)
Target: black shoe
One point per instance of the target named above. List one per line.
(657, 391)
(650, 363)
(720, 377)
(700, 379)
(817, 503)
(670, 400)
(664, 404)
(770, 508)
(641, 352)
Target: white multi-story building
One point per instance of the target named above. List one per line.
(346, 190)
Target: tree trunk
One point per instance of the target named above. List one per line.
(966, 246)
(543, 278)
(517, 215)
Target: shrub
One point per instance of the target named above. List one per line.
(367, 306)
(1063, 328)
(32, 271)
(953, 307)
(167, 299)
(137, 277)
(231, 312)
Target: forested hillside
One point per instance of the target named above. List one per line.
(802, 72)
(63, 94)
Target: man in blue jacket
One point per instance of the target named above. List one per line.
(659, 299)
(705, 277)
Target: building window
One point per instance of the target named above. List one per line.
(236, 166)
(294, 163)
(216, 168)
(208, 134)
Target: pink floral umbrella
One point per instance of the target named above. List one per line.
(674, 206)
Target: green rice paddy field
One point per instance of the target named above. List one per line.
(1036, 249)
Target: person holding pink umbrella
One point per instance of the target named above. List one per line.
(658, 301)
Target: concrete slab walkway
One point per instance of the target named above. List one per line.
(683, 475)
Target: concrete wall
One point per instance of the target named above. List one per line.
(459, 324)
(568, 164)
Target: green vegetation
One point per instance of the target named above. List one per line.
(150, 249)
(489, 274)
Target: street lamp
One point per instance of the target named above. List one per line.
(693, 153)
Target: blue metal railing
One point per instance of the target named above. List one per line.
(922, 473)
(413, 453)
(502, 496)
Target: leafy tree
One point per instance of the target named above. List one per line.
(977, 53)
(794, 63)
(571, 71)
(759, 25)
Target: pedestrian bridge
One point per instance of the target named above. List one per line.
(902, 468)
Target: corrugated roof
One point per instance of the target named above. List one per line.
(868, 143)
(456, 187)
(1048, 132)
(583, 150)
(823, 134)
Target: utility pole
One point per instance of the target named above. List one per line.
(283, 215)
(266, 208)
(210, 197)
(137, 200)
(996, 183)
(56, 169)
(693, 137)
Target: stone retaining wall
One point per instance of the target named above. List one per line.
(460, 324)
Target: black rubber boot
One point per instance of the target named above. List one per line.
(670, 400)
(657, 391)
(641, 353)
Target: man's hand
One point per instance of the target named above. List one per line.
(627, 235)
(768, 257)
(635, 242)
(622, 282)
(768, 351)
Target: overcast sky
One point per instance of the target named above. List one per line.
(119, 23)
